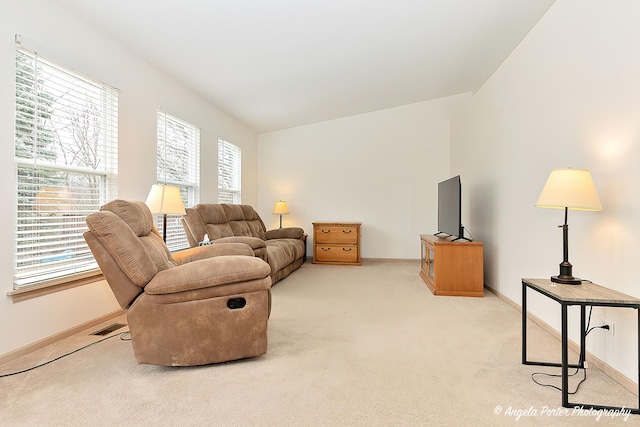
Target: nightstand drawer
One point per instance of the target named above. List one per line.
(336, 243)
(337, 253)
(343, 235)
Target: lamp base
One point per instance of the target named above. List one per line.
(566, 280)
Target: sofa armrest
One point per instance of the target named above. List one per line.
(206, 273)
(209, 251)
(194, 227)
(286, 233)
(253, 242)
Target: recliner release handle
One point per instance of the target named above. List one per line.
(236, 303)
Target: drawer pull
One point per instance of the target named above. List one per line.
(325, 231)
(346, 249)
(326, 249)
(347, 231)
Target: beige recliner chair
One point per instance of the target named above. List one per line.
(202, 305)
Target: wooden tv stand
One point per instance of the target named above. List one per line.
(451, 267)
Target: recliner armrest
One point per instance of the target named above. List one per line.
(253, 242)
(206, 273)
(285, 233)
(209, 251)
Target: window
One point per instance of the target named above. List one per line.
(66, 139)
(229, 172)
(178, 164)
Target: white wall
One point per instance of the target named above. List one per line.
(379, 168)
(69, 40)
(568, 96)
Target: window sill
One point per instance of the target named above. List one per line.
(49, 288)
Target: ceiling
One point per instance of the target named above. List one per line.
(283, 63)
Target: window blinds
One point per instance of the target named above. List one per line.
(66, 141)
(178, 153)
(229, 172)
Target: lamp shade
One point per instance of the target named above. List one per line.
(165, 199)
(280, 208)
(569, 188)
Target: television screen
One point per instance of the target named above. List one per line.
(449, 207)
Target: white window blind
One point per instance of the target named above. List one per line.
(66, 141)
(229, 173)
(178, 164)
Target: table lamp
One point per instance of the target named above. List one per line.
(568, 189)
(280, 208)
(166, 200)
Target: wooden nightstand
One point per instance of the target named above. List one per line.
(336, 243)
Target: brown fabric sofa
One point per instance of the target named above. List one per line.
(194, 307)
(284, 249)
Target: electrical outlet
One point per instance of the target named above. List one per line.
(612, 327)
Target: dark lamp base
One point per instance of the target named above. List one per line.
(566, 280)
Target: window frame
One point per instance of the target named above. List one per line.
(230, 157)
(189, 187)
(76, 177)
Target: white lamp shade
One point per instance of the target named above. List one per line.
(280, 208)
(165, 199)
(569, 188)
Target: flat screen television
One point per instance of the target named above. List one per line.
(450, 208)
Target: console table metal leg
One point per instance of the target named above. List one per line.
(524, 324)
(565, 358)
(583, 336)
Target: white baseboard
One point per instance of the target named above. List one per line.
(618, 376)
(7, 357)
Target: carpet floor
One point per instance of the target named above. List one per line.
(348, 346)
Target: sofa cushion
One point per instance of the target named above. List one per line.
(238, 288)
(259, 246)
(244, 221)
(138, 217)
(209, 251)
(124, 289)
(123, 245)
(215, 220)
(194, 227)
(205, 273)
(285, 233)
(283, 249)
(134, 213)
(282, 252)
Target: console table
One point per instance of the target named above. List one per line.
(586, 294)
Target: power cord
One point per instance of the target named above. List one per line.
(121, 335)
(559, 375)
(581, 361)
(469, 233)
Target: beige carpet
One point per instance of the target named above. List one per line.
(361, 346)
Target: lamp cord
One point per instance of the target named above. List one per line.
(121, 335)
(581, 361)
